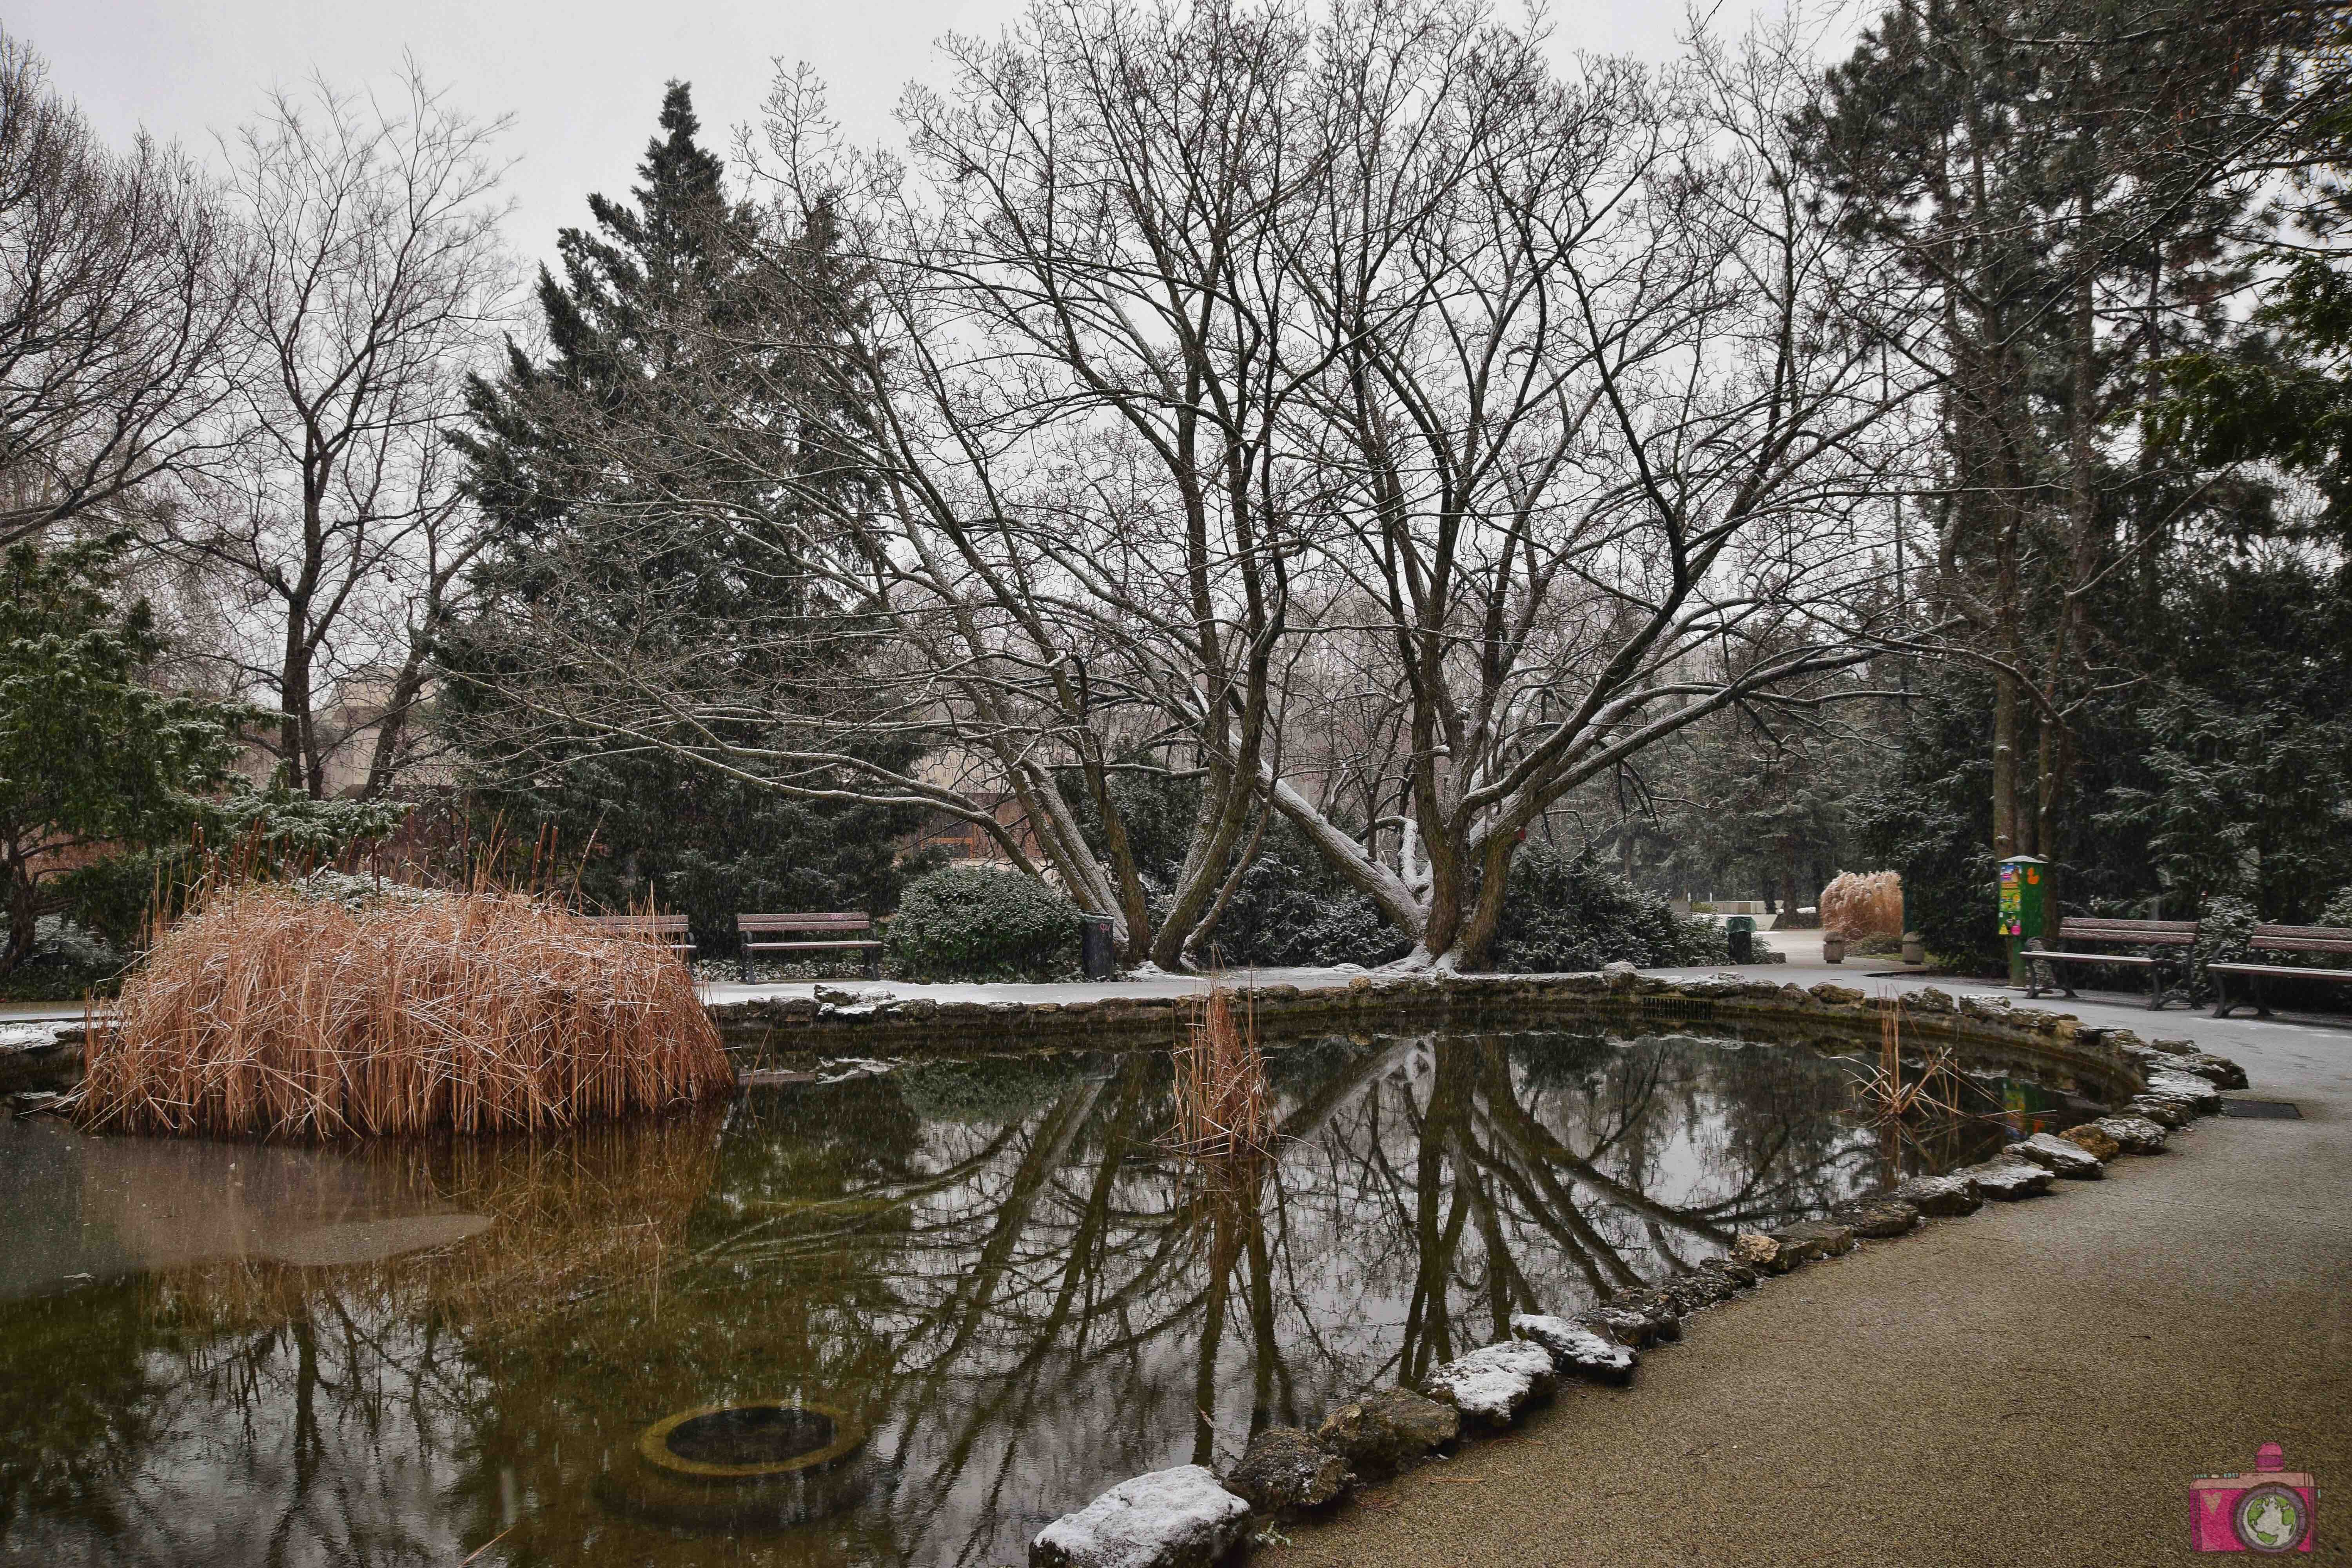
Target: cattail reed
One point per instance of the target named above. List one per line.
(267, 1013)
(1223, 1102)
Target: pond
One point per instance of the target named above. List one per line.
(226, 1354)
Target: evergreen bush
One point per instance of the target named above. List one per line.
(1566, 913)
(974, 923)
(1290, 911)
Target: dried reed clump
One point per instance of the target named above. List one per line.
(1935, 1092)
(1863, 904)
(1224, 1104)
(267, 1014)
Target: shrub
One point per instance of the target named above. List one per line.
(68, 964)
(2225, 928)
(1290, 911)
(1563, 912)
(972, 923)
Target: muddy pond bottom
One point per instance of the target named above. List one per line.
(980, 1291)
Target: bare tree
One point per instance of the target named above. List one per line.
(1351, 413)
(1602, 402)
(374, 282)
(118, 278)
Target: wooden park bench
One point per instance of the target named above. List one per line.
(2166, 945)
(2335, 940)
(663, 930)
(850, 929)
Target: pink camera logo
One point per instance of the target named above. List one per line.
(2271, 1512)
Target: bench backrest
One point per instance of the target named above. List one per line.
(847, 922)
(2302, 939)
(640, 925)
(2145, 934)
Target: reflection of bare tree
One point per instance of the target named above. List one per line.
(999, 1264)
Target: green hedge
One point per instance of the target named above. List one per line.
(971, 924)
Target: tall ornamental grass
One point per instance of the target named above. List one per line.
(267, 1014)
(1863, 904)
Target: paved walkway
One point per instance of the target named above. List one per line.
(2034, 1384)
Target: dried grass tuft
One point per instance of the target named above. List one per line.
(1224, 1103)
(1935, 1092)
(1863, 904)
(268, 1015)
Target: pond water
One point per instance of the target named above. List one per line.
(227, 1355)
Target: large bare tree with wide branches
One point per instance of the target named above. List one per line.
(1354, 413)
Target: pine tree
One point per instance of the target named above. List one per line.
(2070, 180)
(656, 486)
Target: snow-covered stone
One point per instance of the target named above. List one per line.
(2219, 1071)
(1952, 1195)
(1641, 1318)
(2164, 1112)
(1284, 1469)
(1169, 1518)
(1494, 1384)
(1877, 1219)
(2133, 1134)
(26, 1036)
(2090, 1139)
(1833, 1239)
(2187, 1088)
(1698, 1289)
(2006, 1181)
(1576, 1351)
(1382, 1431)
(2061, 1155)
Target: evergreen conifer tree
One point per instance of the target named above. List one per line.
(655, 484)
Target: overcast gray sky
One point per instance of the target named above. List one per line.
(582, 78)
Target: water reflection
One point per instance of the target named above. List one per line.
(993, 1264)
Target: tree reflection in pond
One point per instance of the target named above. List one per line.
(995, 1263)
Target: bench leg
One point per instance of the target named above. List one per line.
(873, 963)
(743, 962)
(2221, 1002)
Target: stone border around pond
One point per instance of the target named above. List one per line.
(841, 1023)
(1189, 1517)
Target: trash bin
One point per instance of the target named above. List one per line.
(1097, 951)
(1741, 930)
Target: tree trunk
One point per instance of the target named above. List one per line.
(2005, 705)
(24, 919)
(1472, 948)
(406, 688)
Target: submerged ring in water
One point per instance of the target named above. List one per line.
(764, 1440)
